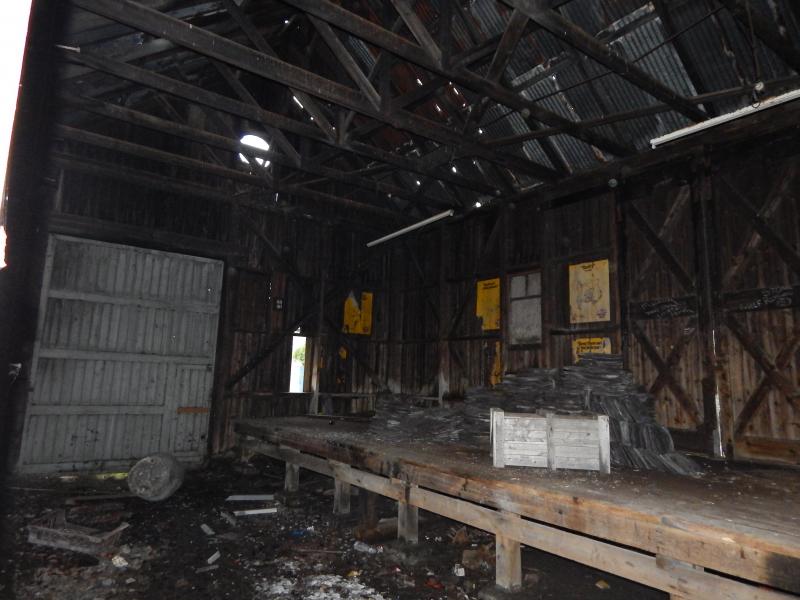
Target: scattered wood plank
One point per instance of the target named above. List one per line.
(255, 511)
(249, 497)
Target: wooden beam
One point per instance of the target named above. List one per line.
(665, 232)
(341, 497)
(689, 62)
(238, 108)
(779, 120)
(677, 390)
(291, 482)
(643, 112)
(625, 562)
(353, 350)
(209, 44)
(405, 8)
(508, 563)
(752, 347)
(347, 61)
(785, 250)
(278, 137)
(754, 402)
(200, 136)
(766, 30)
(407, 522)
(782, 188)
(508, 43)
(122, 233)
(377, 35)
(169, 158)
(490, 242)
(576, 37)
(260, 42)
(661, 249)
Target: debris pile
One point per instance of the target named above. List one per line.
(597, 384)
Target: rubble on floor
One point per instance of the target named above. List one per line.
(597, 384)
(300, 552)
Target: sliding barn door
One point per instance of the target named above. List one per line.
(664, 299)
(124, 357)
(759, 238)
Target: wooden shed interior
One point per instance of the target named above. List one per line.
(194, 186)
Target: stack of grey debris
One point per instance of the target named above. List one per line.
(597, 384)
(397, 418)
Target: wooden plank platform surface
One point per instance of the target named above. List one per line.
(742, 521)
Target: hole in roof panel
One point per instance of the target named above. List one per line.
(257, 142)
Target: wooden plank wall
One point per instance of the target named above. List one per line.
(700, 364)
(425, 331)
(101, 206)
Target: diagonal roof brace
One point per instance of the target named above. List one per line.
(576, 37)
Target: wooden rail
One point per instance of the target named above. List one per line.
(679, 579)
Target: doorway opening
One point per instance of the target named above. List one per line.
(298, 370)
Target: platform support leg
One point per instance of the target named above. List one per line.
(368, 503)
(292, 481)
(670, 564)
(508, 566)
(341, 497)
(407, 522)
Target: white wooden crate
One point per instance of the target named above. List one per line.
(550, 441)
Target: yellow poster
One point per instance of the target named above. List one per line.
(487, 305)
(589, 297)
(358, 314)
(593, 345)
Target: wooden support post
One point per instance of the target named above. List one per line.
(551, 447)
(317, 356)
(292, 480)
(368, 505)
(407, 520)
(341, 497)
(708, 276)
(497, 435)
(508, 567)
(604, 439)
(682, 579)
(670, 564)
(443, 345)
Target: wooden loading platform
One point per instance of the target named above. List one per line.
(733, 533)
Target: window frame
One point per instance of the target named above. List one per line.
(510, 304)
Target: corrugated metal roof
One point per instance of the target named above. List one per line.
(544, 68)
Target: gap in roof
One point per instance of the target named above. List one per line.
(257, 142)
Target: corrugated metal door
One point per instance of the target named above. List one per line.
(124, 356)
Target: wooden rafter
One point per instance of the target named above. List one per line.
(576, 37)
(688, 61)
(260, 42)
(347, 61)
(508, 43)
(213, 140)
(279, 138)
(377, 35)
(263, 65)
(765, 30)
(169, 158)
(216, 101)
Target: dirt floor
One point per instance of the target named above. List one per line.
(301, 551)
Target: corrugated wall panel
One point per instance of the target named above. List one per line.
(126, 340)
